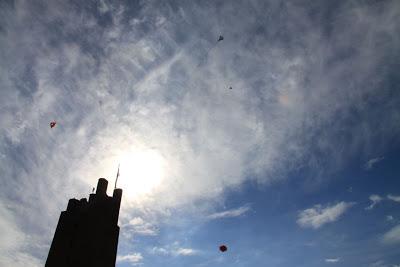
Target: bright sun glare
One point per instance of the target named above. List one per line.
(140, 172)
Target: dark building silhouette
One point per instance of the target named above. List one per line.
(87, 232)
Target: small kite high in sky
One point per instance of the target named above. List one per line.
(223, 248)
(53, 124)
(220, 38)
(230, 87)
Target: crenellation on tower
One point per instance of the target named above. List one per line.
(87, 231)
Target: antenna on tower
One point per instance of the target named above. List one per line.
(116, 179)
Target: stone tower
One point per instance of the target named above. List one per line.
(87, 232)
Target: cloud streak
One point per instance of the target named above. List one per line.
(392, 236)
(230, 213)
(138, 226)
(174, 250)
(134, 258)
(370, 163)
(394, 198)
(332, 260)
(375, 199)
(319, 215)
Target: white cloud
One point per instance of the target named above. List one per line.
(158, 250)
(103, 7)
(389, 218)
(319, 215)
(392, 236)
(138, 226)
(350, 189)
(375, 199)
(379, 263)
(230, 213)
(185, 251)
(332, 260)
(174, 250)
(136, 221)
(131, 258)
(394, 198)
(12, 239)
(370, 163)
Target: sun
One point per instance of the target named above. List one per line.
(141, 171)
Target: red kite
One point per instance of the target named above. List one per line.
(223, 248)
(53, 124)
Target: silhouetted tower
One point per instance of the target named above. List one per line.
(87, 232)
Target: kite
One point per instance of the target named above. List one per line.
(220, 38)
(53, 124)
(223, 248)
(230, 87)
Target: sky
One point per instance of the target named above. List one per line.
(297, 165)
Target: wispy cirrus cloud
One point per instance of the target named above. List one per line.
(174, 249)
(230, 213)
(332, 260)
(370, 163)
(379, 263)
(392, 236)
(12, 239)
(319, 215)
(185, 251)
(138, 226)
(375, 199)
(134, 258)
(394, 198)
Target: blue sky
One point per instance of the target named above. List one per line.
(297, 165)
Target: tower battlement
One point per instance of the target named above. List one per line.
(87, 232)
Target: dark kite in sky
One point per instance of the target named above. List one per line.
(223, 248)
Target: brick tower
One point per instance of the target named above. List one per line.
(87, 232)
